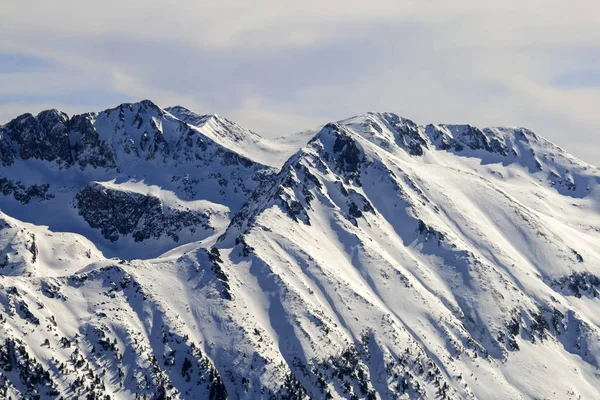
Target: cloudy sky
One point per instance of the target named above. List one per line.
(282, 66)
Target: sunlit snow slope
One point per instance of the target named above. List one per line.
(382, 260)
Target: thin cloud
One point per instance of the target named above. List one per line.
(277, 66)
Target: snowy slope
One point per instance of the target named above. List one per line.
(272, 152)
(477, 252)
(30, 250)
(383, 260)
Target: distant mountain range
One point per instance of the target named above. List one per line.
(157, 253)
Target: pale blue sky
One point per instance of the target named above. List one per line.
(278, 67)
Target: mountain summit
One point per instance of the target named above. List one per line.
(160, 253)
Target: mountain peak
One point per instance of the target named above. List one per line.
(21, 118)
(385, 130)
(138, 106)
(188, 116)
(53, 114)
(51, 118)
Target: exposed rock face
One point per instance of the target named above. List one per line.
(88, 148)
(44, 137)
(459, 137)
(120, 213)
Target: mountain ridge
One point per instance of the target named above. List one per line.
(133, 142)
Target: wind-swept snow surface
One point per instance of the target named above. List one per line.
(381, 260)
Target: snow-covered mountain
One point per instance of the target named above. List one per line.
(381, 260)
(170, 182)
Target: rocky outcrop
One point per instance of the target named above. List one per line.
(24, 194)
(122, 213)
(44, 137)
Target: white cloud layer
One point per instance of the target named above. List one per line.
(282, 66)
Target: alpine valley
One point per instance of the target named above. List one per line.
(156, 253)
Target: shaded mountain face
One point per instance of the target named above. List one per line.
(382, 260)
(44, 137)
